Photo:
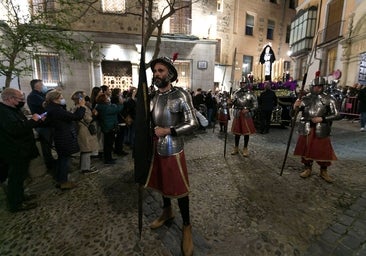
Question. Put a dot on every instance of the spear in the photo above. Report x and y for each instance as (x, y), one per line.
(293, 120)
(225, 127)
(143, 142)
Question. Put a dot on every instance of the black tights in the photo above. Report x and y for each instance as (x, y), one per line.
(183, 204)
(246, 140)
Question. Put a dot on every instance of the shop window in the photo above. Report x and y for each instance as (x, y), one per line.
(117, 74)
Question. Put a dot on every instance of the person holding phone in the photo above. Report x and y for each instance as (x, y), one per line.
(65, 134)
(88, 143)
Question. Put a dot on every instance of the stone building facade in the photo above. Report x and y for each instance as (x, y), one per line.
(338, 42)
(219, 43)
(244, 28)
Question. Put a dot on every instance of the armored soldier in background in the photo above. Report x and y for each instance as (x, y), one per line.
(318, 110)
(173, 115)
(223, 115)
(244, 104)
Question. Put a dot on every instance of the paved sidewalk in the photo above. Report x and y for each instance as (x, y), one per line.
(347, 236)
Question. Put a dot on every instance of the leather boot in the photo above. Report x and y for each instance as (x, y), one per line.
(235, 151)
(164, 217)
(187, 241)
(306, 173)
(325, 176)
(245, 152)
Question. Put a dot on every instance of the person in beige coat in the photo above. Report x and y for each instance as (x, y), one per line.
(88, 143)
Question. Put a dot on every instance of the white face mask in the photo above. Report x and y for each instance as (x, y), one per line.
(63, 102)
(44, 89)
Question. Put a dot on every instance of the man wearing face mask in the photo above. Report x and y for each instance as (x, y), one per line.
(35, 103)
(17, 146)
(173, 116)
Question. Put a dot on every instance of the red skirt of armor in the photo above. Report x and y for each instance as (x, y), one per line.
(243, 125)
(311, 147)
(169, 176)
(223, 118)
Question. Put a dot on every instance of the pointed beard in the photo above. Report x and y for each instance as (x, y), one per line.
(161, 83)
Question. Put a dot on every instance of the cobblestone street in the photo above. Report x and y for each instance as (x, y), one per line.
(239, 206)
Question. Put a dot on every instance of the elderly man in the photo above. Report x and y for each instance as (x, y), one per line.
(173, 115)
(17, 146)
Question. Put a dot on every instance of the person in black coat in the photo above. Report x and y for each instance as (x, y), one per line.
(35, 103)
(17, 147)
(266, 102)
(65, 133)
(362, 106)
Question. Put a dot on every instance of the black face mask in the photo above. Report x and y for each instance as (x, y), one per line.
(20, 104)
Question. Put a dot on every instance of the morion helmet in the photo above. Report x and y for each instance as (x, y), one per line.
(173, 74)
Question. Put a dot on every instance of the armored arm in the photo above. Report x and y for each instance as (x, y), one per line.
(332, 111)
(190, 121)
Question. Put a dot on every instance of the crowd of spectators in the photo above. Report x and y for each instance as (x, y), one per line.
(97, 125)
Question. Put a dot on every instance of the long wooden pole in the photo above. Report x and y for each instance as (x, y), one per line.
(293, 121)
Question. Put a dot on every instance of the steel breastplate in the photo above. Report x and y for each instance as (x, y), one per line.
(173, 109)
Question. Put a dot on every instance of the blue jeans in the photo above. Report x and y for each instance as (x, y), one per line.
(63, 166)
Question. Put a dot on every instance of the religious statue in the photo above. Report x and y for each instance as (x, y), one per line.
(267, 58)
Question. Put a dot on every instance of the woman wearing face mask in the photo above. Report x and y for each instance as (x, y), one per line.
(65, 134)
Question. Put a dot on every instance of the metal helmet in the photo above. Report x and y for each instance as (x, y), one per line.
(173, 74)
(318, 81)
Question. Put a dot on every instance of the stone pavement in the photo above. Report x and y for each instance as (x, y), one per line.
(239, 206)
(347, 236)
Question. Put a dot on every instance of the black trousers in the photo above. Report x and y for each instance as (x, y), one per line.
(17, 173)
(183, 204)
(265, 120)
(109, 138)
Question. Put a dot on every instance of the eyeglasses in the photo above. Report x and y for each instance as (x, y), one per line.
(19, 98)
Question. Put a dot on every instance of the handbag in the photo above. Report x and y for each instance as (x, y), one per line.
(91, 127)
(202, 119)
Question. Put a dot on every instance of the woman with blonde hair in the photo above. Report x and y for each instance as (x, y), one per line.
(65, 134)
(87, 142)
